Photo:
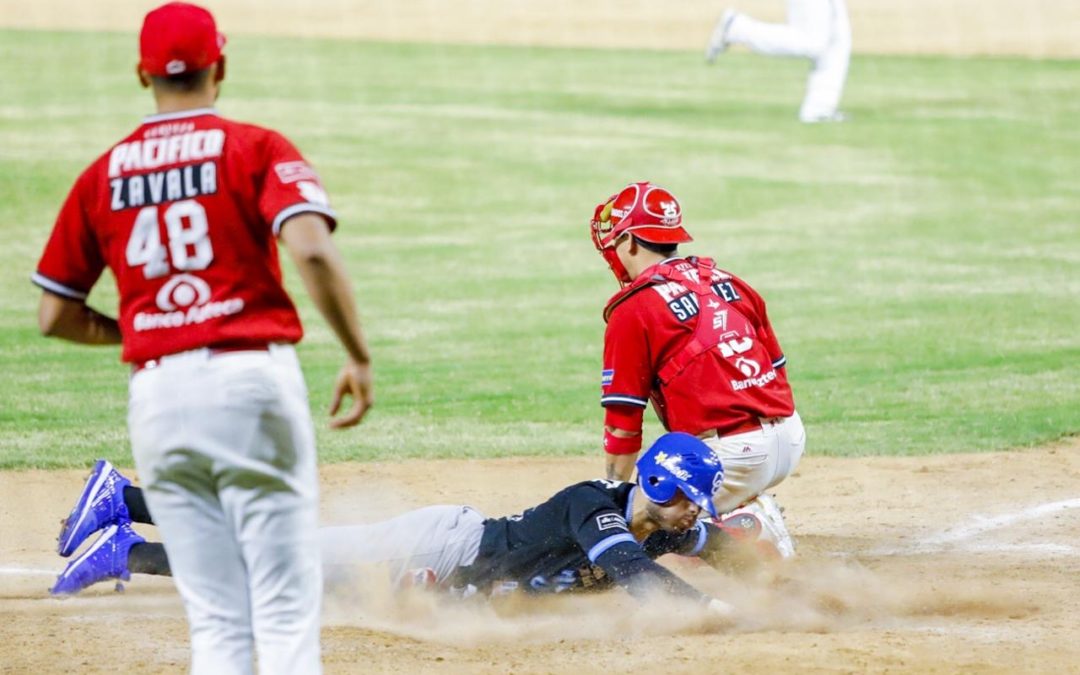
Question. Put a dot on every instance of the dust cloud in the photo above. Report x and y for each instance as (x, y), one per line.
(815, 596)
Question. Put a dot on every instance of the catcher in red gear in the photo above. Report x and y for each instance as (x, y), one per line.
(696, 341)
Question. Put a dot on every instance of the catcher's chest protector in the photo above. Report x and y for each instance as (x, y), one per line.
(696, 275)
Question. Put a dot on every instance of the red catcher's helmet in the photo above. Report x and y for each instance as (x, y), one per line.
(647, 211)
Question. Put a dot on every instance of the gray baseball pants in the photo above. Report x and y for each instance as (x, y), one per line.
(441, 538)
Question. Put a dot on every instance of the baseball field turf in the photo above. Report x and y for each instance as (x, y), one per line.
(922, 262)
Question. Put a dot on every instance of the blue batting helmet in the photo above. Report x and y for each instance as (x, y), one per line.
(678, 461)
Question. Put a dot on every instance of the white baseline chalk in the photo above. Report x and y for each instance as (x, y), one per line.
(983, 524)
(26, 571)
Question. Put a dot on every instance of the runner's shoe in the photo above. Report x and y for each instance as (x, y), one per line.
(101, 504)
(107, 558)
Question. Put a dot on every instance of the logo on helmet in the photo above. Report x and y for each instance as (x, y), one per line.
(662, 207)
(671, 216)
(673, 464)
(717, 482)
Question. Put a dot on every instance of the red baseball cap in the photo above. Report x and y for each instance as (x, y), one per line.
(179, 38)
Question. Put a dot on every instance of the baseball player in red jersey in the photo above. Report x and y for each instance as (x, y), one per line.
(184, 212)
(697, 342)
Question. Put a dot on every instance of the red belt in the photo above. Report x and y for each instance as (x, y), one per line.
(213, 351)
(741, 427)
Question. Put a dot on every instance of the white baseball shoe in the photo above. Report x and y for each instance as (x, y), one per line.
(827, 118)
(718, 41)
(423, 578)
(767, 528)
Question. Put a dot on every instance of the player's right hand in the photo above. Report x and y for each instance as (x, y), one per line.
(353, 380)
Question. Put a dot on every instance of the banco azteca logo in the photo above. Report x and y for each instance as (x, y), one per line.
(183, 290)
(748, 367)
(184, 300)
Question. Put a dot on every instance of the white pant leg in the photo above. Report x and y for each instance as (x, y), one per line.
(757, 460)
(825, 84)
(206, 564)
(231, 436)
(271, 493)
(805, 35)
(440, 537)
(278, 538)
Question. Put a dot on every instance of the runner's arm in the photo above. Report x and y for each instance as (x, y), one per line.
(628, 565)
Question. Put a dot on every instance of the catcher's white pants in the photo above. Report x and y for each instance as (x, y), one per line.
(818, 30)
(757, 460)
(225, 450)
(441, 538)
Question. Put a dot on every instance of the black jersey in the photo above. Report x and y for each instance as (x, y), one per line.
(578, 539)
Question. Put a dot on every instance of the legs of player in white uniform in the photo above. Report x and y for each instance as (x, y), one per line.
(825, 85)
(818, 30)
(225, 449)
(441, 538)
(757, 460)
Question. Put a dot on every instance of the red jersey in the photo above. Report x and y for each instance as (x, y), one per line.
(736, 377)
(184, 211)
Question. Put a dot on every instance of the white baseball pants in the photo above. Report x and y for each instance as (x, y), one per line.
(818, 30)
(757, 460)
(225, 450)
(441, 538)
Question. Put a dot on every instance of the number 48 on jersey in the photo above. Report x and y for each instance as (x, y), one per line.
(188, 233)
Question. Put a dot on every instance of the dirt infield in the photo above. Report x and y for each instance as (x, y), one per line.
(934, 564)
(959, 27)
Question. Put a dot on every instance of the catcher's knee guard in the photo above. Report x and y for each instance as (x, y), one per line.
(760, 523)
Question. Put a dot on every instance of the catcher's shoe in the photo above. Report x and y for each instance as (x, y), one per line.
(718, 41)
(107, 558)
(101, 504)
(761, 522)
(419, 577)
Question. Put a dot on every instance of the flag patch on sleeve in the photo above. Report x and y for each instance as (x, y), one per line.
(606, 376)
(290, 172)
(609, 521)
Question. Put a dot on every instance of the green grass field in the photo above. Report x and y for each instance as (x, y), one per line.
(922, 263)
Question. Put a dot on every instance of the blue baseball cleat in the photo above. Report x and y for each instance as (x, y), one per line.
(101, 504)
(105, 559)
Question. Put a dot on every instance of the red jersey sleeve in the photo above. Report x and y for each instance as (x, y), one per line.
(72, 260)
(290, 186)
(628, 374)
